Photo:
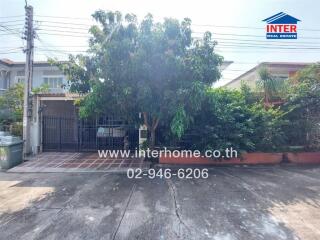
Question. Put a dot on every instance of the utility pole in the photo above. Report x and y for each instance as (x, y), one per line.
(27, 107)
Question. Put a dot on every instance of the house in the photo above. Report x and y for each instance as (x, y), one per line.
(279, 70)
(55, 125)
(57, 102)
(12, 73)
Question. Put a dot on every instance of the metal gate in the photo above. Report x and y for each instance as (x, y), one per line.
(104, 132)
(59, 134)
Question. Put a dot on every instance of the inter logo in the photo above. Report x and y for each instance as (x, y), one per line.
(281, 26)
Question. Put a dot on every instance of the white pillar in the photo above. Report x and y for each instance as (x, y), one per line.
(143, 135)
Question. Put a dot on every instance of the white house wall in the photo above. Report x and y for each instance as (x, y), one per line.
(38, 74)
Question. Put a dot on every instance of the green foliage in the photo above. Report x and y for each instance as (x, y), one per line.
(249, 95)
(11, 105)
(155, 68)
(179, 122)
(79, 71)
(303, 109)
(44, 88)
(269, 85)
(226, 120)
(16, 129)
(223, 122)
(268, 127)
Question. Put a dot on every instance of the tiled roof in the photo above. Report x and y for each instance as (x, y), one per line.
(65, 95)
(274, 64)
(11, 63)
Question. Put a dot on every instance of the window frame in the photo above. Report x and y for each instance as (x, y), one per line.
(53, 76)
(20, 77)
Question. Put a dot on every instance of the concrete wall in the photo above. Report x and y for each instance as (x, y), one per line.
(250, 79)
(58, 108)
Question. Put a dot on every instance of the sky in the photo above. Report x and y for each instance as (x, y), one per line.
(62, 27)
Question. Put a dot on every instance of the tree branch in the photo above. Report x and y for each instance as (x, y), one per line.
(155, 123)
(145, 119)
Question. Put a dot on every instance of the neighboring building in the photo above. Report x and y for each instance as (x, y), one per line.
(12, 73)
(225, 64)
(280, 70)
(57, 103)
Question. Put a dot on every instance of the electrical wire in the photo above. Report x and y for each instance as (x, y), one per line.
(247, 27)
(63, 27)
(63, 17)
(63, 31)
(12, 21)
(63, 23)
(17, 16)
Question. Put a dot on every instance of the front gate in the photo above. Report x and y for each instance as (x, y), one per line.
(70, 134)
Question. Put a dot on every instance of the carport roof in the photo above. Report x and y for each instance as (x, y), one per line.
(59, 96)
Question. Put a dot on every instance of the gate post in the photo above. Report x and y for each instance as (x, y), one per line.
(60, 134)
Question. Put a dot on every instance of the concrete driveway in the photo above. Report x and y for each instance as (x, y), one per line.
(280, 202)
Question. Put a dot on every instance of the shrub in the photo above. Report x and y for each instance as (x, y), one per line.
(268, 127)
(226, 120)
(302, 107)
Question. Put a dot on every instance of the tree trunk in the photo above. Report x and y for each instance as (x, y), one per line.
(152, 138)
(267, 103)
(152, 128)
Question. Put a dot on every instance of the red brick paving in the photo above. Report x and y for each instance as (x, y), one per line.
(77, 162)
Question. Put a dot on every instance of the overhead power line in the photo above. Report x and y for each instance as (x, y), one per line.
(199, 25)
(59, 17)
(10, 48)
(267, 46)
(13, 25)
(250, 35)
(64, 27)
(10, 31)
(66, 35)
(12, 21)
(17, 16)
(9, 52)
(57, 50)
(63, 31)
(247, 27)
(64, 23)
(55, 27)
(234, 46)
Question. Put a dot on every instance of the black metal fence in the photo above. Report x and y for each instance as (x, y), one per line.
(70, 134)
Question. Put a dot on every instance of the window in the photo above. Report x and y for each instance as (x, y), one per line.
(53, 82)
(20, 76)
(3, 83)
(281, 77)
(19, 79)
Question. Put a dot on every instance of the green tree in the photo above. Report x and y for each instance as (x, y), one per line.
(11, 103)
(303, 109)
(269, 85)
(154, 68)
